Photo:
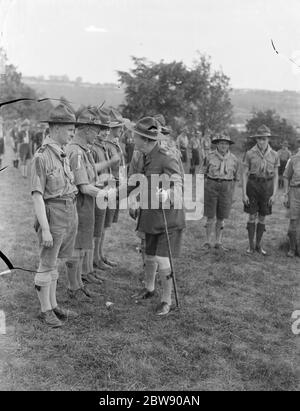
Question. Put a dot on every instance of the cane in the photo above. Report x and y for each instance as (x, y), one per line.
(172, 275)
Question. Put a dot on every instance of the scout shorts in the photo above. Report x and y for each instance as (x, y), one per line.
(103, 220)
(157, 244)
(294, 197)
(86, 222)
(259, 193)
(62, 219)
(218, 198)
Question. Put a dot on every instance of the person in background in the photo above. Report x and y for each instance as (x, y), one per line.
(284, 155)
(25, 146)
(182, 144)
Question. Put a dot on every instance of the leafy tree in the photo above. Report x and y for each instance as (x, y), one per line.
(12, 87)
(196, 97)
(281, 129)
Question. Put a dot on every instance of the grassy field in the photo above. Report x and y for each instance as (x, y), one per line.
(233, 331)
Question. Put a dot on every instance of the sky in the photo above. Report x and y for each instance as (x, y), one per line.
(95, 38)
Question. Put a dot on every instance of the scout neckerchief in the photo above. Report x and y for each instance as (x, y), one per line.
(263, 162)
(223, 170)
(61, 155)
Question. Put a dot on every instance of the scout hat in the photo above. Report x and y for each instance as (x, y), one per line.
(88, 116)
(147, 127)
(61, 114)
(165, 130)
(103, 118)
(262, 131)
(222, 137)
(116, 119)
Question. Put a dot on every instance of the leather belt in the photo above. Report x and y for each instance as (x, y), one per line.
(61, 200)
(218, 180)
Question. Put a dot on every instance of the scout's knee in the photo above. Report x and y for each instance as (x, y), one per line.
(209, 222)
(261, 219)
(252, 218)
(163, 264)
(44, 278)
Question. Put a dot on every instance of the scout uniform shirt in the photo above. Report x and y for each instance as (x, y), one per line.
(113, 148)
(50, 172)
(261, 165)
(99, 153)
(160, 161)
(292, 170)
(84, 169)
(220, 167)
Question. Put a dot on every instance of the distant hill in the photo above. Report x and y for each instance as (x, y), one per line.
(286, 103)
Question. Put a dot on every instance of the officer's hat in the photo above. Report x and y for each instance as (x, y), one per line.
(148, 127)
(88, 116)
(116, 119)
(104, 119)
(222, 137)
(263, 131)
(61, 114)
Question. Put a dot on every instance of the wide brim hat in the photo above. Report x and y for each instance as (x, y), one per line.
(148, 127)
(88, 116)
(116, 119)
(262, 131)
(61, 114)
(222, 137)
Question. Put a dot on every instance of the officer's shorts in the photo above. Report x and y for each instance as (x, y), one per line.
(157, 244)
(63, 222)
(294, 199)
(218, 198)
(259, 194)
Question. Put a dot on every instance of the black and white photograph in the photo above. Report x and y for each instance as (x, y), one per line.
(149, 198)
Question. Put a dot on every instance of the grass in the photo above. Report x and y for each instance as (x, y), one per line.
(233, 331)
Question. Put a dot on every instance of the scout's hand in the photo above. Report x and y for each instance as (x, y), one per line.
(286, 201)
(246, 200)
(272, 200)
(162, 195)
(47, 239)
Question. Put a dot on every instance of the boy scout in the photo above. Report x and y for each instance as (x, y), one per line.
(260, 183)
(85, 177)
(102, 217)
(158, 161)
(284, 155)
(291, 177)
(221, 171)
(53, 192)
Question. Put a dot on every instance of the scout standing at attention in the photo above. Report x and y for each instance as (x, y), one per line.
(158, 161)
(260, 183)
(221, 171)
(85, 175)
(53, 192)
(291, 177)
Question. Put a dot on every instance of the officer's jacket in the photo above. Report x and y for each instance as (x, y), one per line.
(82, 162)
(50, 172)
(292, 170)
(221, 167)
(160, 163)
(261, 165)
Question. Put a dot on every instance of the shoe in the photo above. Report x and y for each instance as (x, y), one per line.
(64, 314)
(101, 265)
(143, 294)
(206, 246)
(77, 295)
(163, 308)
(91, 278)
(86, 292)
(219, 246)
(261, 251)
(109, 262)
(49, 318)
(250, 251)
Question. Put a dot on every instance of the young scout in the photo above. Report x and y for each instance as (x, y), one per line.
(284, 155)
(221, 171)
(158, 161)
(260, 184)
(53, 192)
(291, 177)
(102, 217)
(85, 175)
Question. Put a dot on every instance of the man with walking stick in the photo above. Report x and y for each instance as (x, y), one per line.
(162, 220)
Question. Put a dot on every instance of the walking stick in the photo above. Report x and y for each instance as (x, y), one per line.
(172, 275)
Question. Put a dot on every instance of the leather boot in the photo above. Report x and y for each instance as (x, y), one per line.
(293, 243)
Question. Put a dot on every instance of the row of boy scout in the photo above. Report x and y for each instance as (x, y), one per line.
(64, 176)
(64, 185)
